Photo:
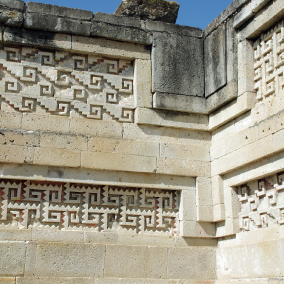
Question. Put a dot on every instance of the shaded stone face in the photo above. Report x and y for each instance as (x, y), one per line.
(155, 10)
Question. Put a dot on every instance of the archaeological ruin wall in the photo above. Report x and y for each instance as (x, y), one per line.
(138, 151)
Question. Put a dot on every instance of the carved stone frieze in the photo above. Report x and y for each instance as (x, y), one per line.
(262, 203)
(269, 63)
(62, 83)
(31, 204)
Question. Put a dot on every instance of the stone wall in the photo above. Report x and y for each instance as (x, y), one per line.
(127, 158)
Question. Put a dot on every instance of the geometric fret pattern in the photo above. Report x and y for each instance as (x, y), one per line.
(269, 63)
(261, 203)
(63, 83)
(37, 204)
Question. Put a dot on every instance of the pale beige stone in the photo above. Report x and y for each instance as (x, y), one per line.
(187, 210)
(183, 167)
(218, 212)
(143, 83)
(96, 127)
(54, 235)
(244, 103)
(136, 262)
(110, 48)
(124, 146)
(10, 120)
(171, 119)
(64, 260)
(151, 133)
(53, 280)
(182, 151)
(194, 229)
(12, 258)
(22, 138)
(195, 137)
(57, 157)
(185, 263)
(119, 162)
(13, 154)
(39, 122)
(63, 141)
(8, 280)
(15, 235)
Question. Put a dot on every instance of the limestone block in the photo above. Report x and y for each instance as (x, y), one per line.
(187, 210)
(117, 20)
(10, 120)
(56, 24)
(8, 280)
(53, 280)
(13, 154)
(123, 146)
(110, 48)
(215, 59)
(182, 151)
(219, 213)
(159, 26)
(12, 258)
(193, 229)
(171, 119)
(232, 204)
(121, 33)
(245, 70)
(177, 72)
(234, 142)
(53, 235)
(183, 167)
(185, 263)
(135, 262)
(120, 162)
(11, 17)
(38, 122)
(184, 103)
(143, 83)
(234, 109)
(204, 199)
(217, 190)
(57, 157)
(263, 20)
(36, 38)
(249, 153)
(231, 52)
(14, 4)
(278, 140)
(97, 128)
(151, 133)
(271, 125)
(22, 138)
(147, 281)
(64, 260)
(248, 12)
(227, 228)
(195, 137)
(82, 15)
(221, 97)
(63, 141)
(15, 235)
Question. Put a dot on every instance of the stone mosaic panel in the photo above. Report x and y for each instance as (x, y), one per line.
(269, 63)
(31, 204)
(262, 203)
(62, 82)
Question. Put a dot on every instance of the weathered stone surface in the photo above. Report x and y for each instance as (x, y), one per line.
(157, 10)
(56, 24)
(179, 72)
(215, 61)
(82, 15)
(11, 17)
(13, 4)
(120, 32)
(183, 103)
(39, 38)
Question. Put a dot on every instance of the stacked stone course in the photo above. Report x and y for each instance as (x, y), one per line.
(126, 158)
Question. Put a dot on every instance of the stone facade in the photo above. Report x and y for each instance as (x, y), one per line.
(126, 158)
